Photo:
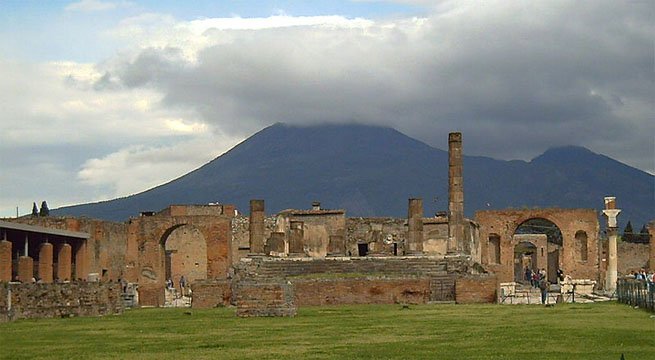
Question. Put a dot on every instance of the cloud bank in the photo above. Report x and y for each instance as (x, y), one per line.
(516, 78)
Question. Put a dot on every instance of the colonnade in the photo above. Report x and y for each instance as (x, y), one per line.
(60, 253)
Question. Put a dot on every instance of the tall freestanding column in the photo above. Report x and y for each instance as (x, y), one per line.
(257, 227)
(45, 263)
(455, 193)
(5, 261)
(611, 212)
(414, 227)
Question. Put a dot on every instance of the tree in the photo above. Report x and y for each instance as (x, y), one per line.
(644, 235)
(628, 233)
(35, 209)
(44, 209)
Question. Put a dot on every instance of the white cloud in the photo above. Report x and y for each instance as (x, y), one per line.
(533, 75)
(136, 168)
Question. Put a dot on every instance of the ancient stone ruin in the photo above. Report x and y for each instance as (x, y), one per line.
(269, 264)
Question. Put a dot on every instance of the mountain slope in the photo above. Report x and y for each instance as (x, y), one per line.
(372, 171)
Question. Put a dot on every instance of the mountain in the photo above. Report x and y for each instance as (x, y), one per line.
(372, 171)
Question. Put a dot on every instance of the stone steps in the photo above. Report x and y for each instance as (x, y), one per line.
(282, 268)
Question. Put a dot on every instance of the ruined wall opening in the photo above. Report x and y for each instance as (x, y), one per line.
(362, 249)
(581, 245)
(525, 257)
(554, 243)
(494, 249)
(185, 254)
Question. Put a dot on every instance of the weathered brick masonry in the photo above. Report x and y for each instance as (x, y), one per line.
(28, 301)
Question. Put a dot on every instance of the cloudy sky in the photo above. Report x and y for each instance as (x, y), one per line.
(100, 98)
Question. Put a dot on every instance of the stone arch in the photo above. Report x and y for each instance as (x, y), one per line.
(548, 253)
(494, 248)
(184, 250)
(568, 221)
(581, 245)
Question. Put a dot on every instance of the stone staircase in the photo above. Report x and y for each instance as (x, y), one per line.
(281, 268)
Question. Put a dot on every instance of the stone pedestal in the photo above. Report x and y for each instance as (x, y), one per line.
(414, 245)
(5, 261)
(256, 227)
(296, 238)
(25, 269)
(64, 263)
(45, 263)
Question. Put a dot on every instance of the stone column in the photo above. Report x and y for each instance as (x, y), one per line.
(45, 263)
(257, 227)
(81, 271)
(336, 246)
(5, 261)
(296, 236)
(25, 269)
(455, 194)
(64, 256)
(414, 227)
(611, 212)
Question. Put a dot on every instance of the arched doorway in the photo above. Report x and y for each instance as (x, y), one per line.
(552, 249)
(185, 251)
(525, 257)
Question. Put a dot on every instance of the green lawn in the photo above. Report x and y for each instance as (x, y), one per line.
(593, 331)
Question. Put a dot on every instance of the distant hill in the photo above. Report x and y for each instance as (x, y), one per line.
(372, 171)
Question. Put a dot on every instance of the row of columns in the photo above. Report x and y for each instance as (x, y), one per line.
(46, 272)
(276, 243)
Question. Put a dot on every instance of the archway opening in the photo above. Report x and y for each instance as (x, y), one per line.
(525, 258)
(548, 252)
(185, 255)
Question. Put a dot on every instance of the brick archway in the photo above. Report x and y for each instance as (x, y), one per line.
(147, 236)
(504, 224)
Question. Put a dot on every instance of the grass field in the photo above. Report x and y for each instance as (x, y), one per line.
(569, 331)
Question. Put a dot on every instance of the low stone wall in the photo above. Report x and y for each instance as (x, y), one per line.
(209, 294)
(29, 301)
(476, 289)
(361, 291)
(264, 299)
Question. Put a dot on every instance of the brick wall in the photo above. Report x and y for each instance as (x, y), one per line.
(264, 299)
(29, 301)
(361, 291)
(211, 293)
(631, 257)
(476, 289)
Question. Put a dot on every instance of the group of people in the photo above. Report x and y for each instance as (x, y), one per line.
(643, 275)
(535, 277)
(538, 280)
(183, 286)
